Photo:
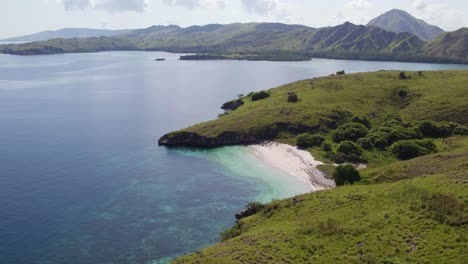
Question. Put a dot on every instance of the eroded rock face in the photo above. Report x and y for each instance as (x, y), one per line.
(188, 139)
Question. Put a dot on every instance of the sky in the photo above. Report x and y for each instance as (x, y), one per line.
(20, 17)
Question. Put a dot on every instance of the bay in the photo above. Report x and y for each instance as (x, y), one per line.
(82, 179)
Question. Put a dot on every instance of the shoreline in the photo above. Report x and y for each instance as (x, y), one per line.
(295, 162)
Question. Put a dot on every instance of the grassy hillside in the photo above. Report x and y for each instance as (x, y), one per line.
(450, 44)
(418, 220)
(438, 96)
(405, 209)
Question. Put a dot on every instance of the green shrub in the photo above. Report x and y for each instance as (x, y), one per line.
(260, 95)
(250, 209)
(435, 130)
(304, 141)
(461, 130)
(326, 146)
(349, 147)
(293, 98)
(351, 131)
(346, 174)
(362, 120)
(342, 72)
(403, 76)
(365, 143)
(402, 93)
(340, 158)
(408, 149)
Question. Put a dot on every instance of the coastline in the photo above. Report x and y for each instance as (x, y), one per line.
(295, 162)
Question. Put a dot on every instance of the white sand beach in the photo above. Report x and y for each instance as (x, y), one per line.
(298, 163)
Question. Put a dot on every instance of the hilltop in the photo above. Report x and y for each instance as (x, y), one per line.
(410, 204)
(400, 21)
(69, 33)
(328, 102)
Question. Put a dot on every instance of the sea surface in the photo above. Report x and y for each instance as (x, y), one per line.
(82, 179)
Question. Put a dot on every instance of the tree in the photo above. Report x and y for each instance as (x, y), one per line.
(349, 147)
(304, 141)
(352, 131)
(250, 209)
(346, 174)
(408, 149)
(402, 93)
(362, 120)
(293, 98)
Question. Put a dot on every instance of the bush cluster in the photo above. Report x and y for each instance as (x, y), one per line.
(304, 141)
(408, 149)
(250, 209)
(362, 120)
(437, 130)
(461, 130)
(346, 174)
(293, 98)
(260, 95)
(351, 131)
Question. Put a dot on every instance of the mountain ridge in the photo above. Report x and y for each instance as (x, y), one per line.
(264, 41)
(69, 33)
(399, 21)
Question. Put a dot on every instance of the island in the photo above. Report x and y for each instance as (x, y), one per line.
(395, 144)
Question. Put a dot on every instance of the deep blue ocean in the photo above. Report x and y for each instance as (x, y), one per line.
(82, 179)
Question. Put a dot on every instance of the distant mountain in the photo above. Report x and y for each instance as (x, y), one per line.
(69, 33)
(450, 45)
(400, 21)
(257, 41)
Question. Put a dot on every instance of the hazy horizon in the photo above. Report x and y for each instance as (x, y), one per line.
(27, 16)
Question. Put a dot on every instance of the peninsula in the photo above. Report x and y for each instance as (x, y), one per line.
(410, 128)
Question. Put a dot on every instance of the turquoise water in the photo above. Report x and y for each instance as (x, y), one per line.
(81, 177)
(270, 183)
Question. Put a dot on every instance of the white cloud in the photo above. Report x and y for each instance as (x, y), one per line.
(76, 4)
(196, 3)
(106, 5)
(261, 6)
(358, 4)
(420, 4)
(439, 14)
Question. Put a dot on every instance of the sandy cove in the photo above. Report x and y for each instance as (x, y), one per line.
(296, 162)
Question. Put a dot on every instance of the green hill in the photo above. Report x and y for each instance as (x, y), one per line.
(405, 209)
(70, 33)
(327, 102)
(399, 21)
(450, 45)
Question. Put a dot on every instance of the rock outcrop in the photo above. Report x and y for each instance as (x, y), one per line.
(188, 139)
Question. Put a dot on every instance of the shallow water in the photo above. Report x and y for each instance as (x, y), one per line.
(81, 177)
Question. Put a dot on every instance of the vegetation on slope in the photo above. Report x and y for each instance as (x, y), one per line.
(408, 211)
(328, 102)
(421, 219)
